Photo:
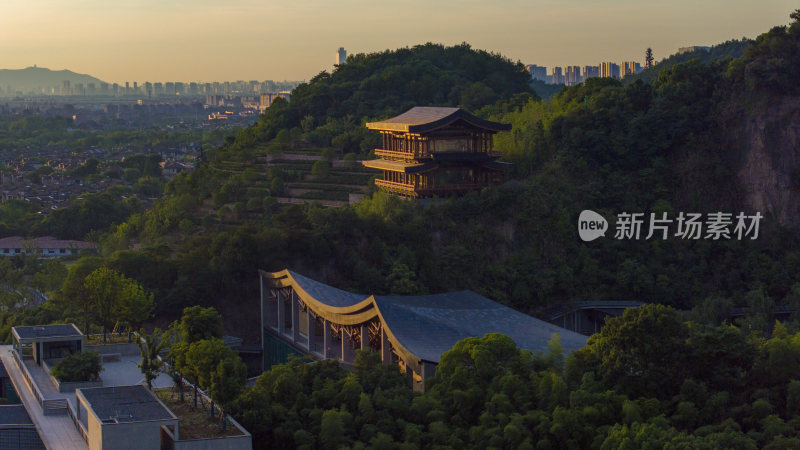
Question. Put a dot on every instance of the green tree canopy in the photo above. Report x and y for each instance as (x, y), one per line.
(117, 299)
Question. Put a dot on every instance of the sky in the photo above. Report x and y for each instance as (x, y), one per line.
(227, 40)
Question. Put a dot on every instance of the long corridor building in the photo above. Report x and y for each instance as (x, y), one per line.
(412, 331)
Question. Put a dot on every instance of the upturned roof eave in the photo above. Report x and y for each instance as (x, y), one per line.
(420, 126)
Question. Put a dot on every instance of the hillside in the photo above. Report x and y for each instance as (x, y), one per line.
(329, 110)
(660, 147)
(37, 78)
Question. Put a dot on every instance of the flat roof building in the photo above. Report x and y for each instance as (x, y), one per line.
(17, 430)
(43, 342)
(123, 417)
(46, 246)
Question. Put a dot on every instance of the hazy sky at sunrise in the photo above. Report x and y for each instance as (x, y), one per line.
(208, 40)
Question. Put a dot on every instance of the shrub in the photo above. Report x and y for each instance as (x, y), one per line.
(84, 366)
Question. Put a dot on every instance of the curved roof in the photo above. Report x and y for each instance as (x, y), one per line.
(422, 327)
(430, 325)
(328, 295)
(420, 119)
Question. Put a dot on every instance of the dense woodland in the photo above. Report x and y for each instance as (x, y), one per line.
(647, 380)
(687, 377)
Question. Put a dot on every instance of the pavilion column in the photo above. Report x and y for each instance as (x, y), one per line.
(261, 304)
(427, 370)
(326, 339)
(295, 319)
(386, 352)
(409, 375)
(281, 310)
(364, 336)
(311, 330)
(348, 354)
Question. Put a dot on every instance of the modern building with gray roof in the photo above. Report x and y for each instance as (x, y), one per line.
(412, 331)
(39, 332)
(43, 342)
(123, 417)
(17, 430)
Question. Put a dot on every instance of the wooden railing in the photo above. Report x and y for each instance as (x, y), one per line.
(400, 188)
(400, 154)
(452, 187)
(411, 190)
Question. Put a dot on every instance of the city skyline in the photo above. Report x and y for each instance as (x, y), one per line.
(212, 40)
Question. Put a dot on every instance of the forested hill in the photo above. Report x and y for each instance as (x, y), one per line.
(734, 48)
(34, 78)
(331, 107)
(678, 144)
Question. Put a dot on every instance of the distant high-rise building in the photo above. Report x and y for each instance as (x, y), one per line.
(135, 88)
(558, 76)
(148, 88)
(65, 88)
(538, 72)
(179, 88)
(609, 70)
(630, 68)
(341, 56)
(590, 72)
(115, 89)
(90, 89)
(212, 100)
(103, 88)
(572, 76)
(158, 89)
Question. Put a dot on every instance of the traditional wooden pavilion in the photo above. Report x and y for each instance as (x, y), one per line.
(324, 322)
(436, 151)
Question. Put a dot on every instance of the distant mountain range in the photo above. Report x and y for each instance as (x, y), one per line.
(41, 80)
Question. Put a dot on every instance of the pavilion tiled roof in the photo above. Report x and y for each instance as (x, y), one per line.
(420, 119)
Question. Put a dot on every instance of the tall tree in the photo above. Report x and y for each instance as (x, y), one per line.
(116, 298)
(648, 58)
(198, 323)
(150, 345)
(73, 292)
(199, 361)
(227, 382)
